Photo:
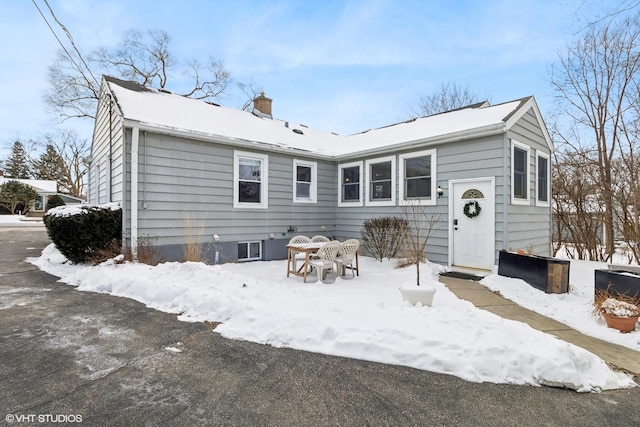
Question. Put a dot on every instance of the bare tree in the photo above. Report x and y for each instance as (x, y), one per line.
(577, 209)
(596, 81)
(251, 92)
(64, 158)
(142, 57)
(422, 224)
(448, 97)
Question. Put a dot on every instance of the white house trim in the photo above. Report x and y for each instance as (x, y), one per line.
(368, 201)
(548, 158)
(264, 180)
(517, 200)
(135, 141)
(432, 200)
(313, 190)
(359, 202)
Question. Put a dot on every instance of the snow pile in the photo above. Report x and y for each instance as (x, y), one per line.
(64, 210)
(362, 318)
(574, 309)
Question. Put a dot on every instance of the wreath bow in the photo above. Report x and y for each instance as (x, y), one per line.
(476, 209)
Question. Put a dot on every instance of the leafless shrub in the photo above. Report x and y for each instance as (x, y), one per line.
(194, 228)
(383, 236)
(422, 225)
(147, 253)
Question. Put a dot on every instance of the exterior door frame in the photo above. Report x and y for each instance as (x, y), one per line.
(492, 227)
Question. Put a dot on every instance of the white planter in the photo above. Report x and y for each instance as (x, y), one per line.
(418, 294)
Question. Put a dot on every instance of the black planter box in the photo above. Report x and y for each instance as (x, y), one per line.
(547, 274)
(618, 282)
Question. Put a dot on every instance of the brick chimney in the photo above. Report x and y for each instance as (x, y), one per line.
(263, 105)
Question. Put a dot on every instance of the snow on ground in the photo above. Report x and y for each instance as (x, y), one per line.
(18, 220)
(362, 318)
(573, 309)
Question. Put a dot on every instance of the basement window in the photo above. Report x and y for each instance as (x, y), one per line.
(249, 251)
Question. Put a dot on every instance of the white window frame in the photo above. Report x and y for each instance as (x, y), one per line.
(248, 243)
(368, 201)
(313, 190)
(547, 157)
(354, 203)
(434, 177)
(264, 180)
(517, 200)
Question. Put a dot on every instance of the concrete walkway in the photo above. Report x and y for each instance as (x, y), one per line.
(616, 355)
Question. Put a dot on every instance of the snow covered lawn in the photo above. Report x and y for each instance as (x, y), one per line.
(364, 318)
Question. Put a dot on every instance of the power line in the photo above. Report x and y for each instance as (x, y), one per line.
(71, 58)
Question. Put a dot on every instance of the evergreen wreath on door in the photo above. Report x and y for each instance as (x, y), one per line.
(472, 213)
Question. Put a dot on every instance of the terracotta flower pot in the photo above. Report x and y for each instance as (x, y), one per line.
(623, 324)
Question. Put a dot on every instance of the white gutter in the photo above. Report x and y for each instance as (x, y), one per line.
(492, 129)
(135, 138)
(220, 139)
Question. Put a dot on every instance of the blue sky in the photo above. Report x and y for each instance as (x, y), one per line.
(336, 65)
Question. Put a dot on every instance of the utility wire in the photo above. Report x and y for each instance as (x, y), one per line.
(70, 40)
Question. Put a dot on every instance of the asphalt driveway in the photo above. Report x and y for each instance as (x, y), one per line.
(102, 360)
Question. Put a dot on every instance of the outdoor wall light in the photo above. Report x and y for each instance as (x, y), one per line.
(440, 191)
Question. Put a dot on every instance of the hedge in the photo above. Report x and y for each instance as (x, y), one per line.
(81, 233)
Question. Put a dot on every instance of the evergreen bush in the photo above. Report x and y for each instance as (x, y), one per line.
(54, 202)
(82, 233)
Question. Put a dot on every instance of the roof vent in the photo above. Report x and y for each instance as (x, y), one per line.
(298, 131)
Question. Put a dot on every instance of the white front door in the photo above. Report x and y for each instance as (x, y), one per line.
(472, 236)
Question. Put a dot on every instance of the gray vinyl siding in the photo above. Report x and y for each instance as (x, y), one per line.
(107, 156)
(182, 179)
(528, 226)
(475, 158)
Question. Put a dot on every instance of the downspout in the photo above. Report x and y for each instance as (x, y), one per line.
(506, 190)
(135, 140)
(110, 173)
(144, 174)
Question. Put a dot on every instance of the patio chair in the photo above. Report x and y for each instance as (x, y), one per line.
(298, 256)
(320, 238)
(345, 257)
(326, 258)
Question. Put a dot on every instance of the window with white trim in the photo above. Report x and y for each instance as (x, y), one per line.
(519, 173)
(418, 177)
(542, 179)
(349, 184)
(381, 181)
(249, 251)
(304, 181)
(250, 180)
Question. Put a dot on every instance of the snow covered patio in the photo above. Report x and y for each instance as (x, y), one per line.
(366, 318)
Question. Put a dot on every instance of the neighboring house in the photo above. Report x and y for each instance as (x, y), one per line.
(256, 181)
(44, 188)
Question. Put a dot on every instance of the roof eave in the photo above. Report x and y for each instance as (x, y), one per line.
(493, 129)
(235, 142)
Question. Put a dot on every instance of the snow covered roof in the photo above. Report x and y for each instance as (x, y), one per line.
(162, 110)
(40, 185)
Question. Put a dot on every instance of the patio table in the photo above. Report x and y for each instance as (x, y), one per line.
(307, 249)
